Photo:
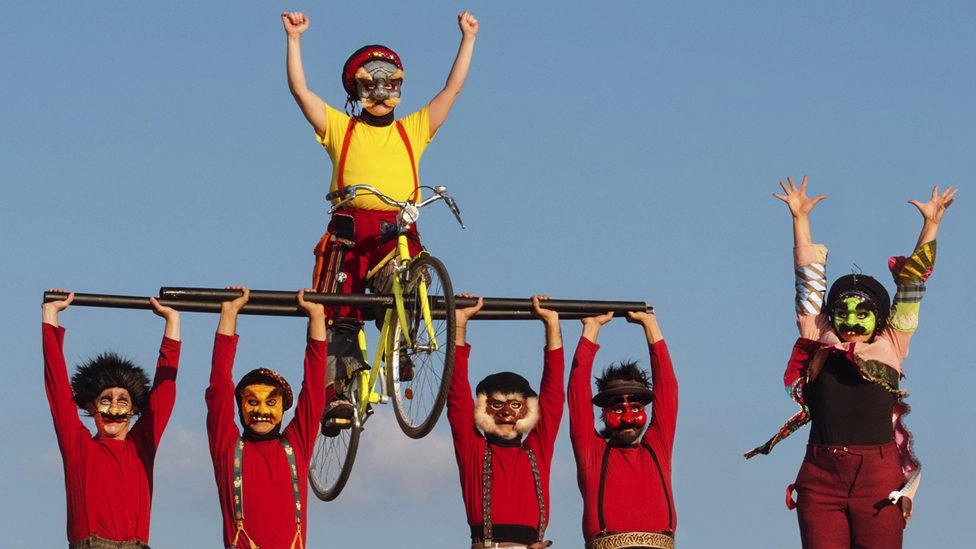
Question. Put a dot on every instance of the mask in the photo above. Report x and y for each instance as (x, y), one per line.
(506, 416)
(625, 420)
(378, 82)
(113, 411)
(261, 407)
(854, 318)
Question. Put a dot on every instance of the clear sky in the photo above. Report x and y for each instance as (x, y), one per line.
(599, 150)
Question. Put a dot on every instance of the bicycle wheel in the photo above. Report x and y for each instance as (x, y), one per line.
(419, 370)
(332, 457)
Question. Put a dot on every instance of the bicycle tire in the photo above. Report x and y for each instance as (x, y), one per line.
(333, 457)
(417, 403)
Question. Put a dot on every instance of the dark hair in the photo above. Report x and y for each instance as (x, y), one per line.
(622, 371)
(623, 378)
(867, 286)
(108, 370)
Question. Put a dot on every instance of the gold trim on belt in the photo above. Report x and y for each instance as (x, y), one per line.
(653, 540)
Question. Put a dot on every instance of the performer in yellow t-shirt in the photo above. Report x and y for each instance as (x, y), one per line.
(369, 146)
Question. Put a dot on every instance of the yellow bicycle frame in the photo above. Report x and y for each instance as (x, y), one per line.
(367, 393)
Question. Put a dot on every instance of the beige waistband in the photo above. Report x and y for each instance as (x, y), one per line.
(654, 540)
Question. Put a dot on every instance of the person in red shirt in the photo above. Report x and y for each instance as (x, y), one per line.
(624, 477)
(109, 477)
(262, 474)
(504, 441)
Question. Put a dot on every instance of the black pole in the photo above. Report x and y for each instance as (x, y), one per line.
(194, 306)
(385, 300)
(277, 303)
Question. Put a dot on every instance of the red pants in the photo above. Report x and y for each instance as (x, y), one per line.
(842, 497)
(355, 241)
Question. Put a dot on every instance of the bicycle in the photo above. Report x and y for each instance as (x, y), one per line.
(416, 336)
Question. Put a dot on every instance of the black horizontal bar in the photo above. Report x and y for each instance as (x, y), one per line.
(139, 302)
(274, 303)
(386, 300)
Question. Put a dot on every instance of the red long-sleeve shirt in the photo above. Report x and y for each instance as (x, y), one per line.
(514, 500)
(637, 496)
(269, 501)
(108, 483)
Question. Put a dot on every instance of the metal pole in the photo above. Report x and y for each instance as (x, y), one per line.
(277, 303)
(513, 305)
(194, 306)
(270, 296)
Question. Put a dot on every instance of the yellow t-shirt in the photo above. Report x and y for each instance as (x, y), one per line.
(376, 156)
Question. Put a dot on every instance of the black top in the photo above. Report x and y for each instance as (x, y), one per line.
(846, 408)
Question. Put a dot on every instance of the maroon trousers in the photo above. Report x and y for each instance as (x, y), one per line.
(355, 241)
(842, 497)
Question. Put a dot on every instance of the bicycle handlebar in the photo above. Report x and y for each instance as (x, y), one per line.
(349, 192)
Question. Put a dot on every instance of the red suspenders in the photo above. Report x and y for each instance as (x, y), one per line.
(406, 143)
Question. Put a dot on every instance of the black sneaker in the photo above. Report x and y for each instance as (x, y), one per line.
(337, 416)
(344, 348)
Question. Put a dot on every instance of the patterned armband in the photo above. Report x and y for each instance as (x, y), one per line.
(915, 269)
(904, 312)
(811, 285)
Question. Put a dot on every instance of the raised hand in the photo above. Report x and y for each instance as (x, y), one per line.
(163, 311)
(50, 309)
(933, 210)
(295, 23)
(546, 315)
(648, 321)
(314, 310)
(796, 197)
(227, 324)
(172, 316)
(462, 316)
(235, 305)
(468, 24)
(550, 318)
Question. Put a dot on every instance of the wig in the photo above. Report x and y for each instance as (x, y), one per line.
(109, 370)
(624, 378)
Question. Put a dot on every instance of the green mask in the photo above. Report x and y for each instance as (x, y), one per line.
(854, 315)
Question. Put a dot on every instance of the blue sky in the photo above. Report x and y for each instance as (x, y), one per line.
(620, 151)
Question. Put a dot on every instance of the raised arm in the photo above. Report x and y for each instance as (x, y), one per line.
(172, 317)
(64, 412)
(592, 325)
(316, 316)
(462, 316)
(648, 321)
(227, 325)
(910, 273)
(550, 318)
(460, 407)
(932, 212)
(153, 420)
(222, 430)
(51, 309)
(312, 106)
(579, 392)
(440, 106)
(809, 260)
